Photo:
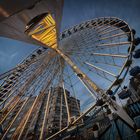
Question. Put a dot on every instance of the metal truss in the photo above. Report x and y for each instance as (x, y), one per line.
(94, 51)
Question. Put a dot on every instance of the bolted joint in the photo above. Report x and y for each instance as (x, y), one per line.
(133, 34)
(109, 92)
(113, 98)
(100, 102)
(80, 75)
(108, 110)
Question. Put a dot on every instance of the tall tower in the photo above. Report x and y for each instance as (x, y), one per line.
(58, 117)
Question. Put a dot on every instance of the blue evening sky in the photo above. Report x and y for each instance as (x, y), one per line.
(75, 11)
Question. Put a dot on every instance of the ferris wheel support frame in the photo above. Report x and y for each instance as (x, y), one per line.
(96, 92)
(45, 116)
(49, 39)
(91, 85)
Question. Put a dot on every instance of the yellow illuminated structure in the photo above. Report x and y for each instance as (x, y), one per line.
(44, 31)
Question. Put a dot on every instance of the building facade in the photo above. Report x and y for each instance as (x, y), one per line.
(32, 119)
(58, 117)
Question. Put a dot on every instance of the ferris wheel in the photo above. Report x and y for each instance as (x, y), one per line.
(90, 60)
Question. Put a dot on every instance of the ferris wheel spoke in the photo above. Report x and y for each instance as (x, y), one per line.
(103, 76)
(83, 56)
(117, 25)
(12, 107)
(7, 130)
(18, 75)
(106, 23)
(66, 102)
(73, 90)
(107, 64)
(28, 116)
(92, 59)
(114, 44)
(87, 52)
(11, 99)
(45, 116)
(25, 85)
(113, 55)
(115, 35)
(98, 47)
(101, 69)
(107, 27)
(113, 30)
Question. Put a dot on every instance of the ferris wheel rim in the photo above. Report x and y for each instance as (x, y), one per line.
(79, 27)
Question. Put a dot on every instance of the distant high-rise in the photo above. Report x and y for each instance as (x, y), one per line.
(57, 117)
